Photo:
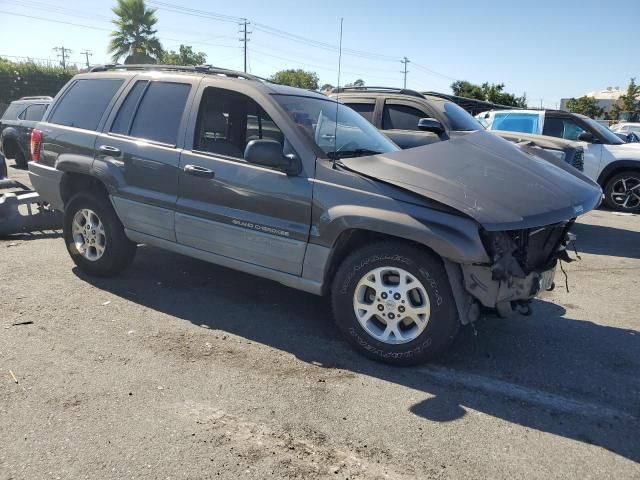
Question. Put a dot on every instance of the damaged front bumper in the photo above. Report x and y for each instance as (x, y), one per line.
(523, 264)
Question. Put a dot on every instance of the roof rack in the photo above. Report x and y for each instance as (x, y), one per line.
(37, 97)
(400, 91)
(208, 69)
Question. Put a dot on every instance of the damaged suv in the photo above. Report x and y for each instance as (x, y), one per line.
(229, 168)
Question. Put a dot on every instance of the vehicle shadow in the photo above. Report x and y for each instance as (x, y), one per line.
(548, 352)
(598, 239)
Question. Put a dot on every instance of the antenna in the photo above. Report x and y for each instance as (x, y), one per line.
(335, 131)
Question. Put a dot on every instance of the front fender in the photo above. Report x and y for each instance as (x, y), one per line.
(450, 236)
(616, 166)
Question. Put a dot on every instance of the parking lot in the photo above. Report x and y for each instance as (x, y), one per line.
(182, 369)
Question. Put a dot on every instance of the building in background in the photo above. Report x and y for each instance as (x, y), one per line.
(606, 98)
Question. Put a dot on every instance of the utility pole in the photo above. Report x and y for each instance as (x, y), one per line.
(244, 39)
(87, 54)
(64, 54)
(406, 61)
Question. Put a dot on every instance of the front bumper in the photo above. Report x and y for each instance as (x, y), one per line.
(479, 283)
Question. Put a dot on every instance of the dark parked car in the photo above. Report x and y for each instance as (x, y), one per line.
(226, 167)
(412, 119)
(16, 124)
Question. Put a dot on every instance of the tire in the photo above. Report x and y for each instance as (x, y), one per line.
(111, 252)
(20, 159)
(623, 187)
(382, 264)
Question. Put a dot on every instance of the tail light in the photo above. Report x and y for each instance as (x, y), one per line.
(36, 144)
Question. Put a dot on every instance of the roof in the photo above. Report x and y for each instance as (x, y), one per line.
(208, 70)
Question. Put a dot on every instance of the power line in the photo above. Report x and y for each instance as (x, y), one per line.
(244, 40)
(406, 61)
(87, 54)
(64, 52)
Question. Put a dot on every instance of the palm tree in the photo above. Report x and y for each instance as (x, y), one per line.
(135, 37)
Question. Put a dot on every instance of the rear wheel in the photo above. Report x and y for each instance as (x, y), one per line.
(95, 236)
(394, 303)
(622, 192)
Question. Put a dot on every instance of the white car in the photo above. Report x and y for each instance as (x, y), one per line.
(614, 164)
(626, 127)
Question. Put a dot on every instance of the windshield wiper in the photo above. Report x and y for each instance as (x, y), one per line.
(358, 152)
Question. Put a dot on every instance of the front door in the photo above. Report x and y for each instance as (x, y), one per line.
(231, 208)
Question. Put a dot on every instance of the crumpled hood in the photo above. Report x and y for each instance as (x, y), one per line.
(486, 178)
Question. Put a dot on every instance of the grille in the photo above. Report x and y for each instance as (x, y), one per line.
(536, 247)
(578, 160)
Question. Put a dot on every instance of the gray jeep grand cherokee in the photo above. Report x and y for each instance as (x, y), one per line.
(234, 170)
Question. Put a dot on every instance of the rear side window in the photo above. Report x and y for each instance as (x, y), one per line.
(83, 105)
(124, 119)
(34, 113)
(364, 109)
(401, 117)
(160, 112)
(12, 112)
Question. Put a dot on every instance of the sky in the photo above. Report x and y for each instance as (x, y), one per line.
(546, 49)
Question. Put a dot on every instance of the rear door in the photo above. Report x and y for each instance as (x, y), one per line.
(141, 146)
(400, 123)
(232, 208)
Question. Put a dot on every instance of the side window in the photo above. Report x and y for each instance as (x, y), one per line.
(34, 113)
(228, 120)
(516, 122)
(124, 118)
(401, 117)
(562, 127)
(364, 109)
(12, 112)
(160, 112)
(83, 105)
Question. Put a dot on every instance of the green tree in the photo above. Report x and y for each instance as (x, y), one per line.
(296, 78)
(586, 106)
(184, 56)
(20, 79)
(462, 88)
(629, 103)
(489, 92)
(135, 37)
(359, 83)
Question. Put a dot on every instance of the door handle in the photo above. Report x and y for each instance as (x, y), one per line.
(109, 150)
(198, 171)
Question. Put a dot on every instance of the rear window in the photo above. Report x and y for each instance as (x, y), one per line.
(160, 112)
(516, 122)
(83, 105)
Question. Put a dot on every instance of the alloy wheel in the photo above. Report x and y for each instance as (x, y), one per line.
(88, 234)
(626, 192)
(392, 305)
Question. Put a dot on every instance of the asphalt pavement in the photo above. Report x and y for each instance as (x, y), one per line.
(182, 369)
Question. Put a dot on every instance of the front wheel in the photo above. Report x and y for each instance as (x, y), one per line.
(95, 236)
(394, 303)
(622, 192)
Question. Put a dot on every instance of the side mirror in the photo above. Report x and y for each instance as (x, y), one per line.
(268, 153)
(586, 137)
(430, 125)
